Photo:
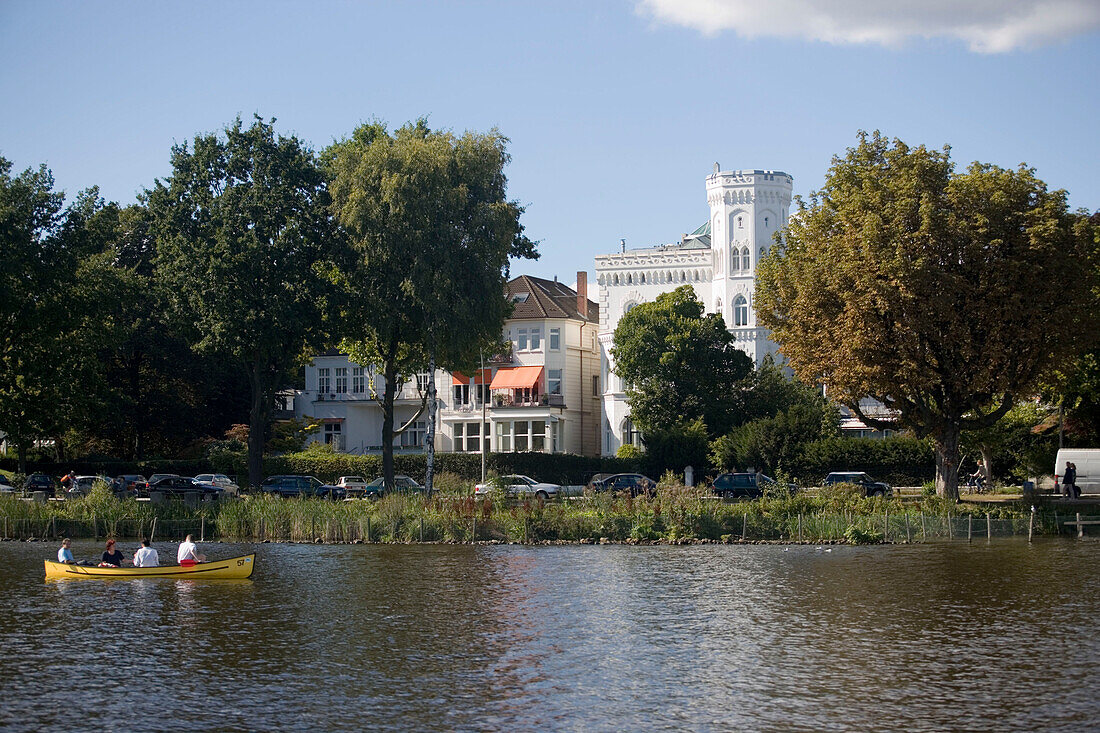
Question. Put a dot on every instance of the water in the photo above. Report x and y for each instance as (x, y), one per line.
(586, 638)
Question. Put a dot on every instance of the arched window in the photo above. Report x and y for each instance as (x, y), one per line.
(740, 311)
(735, 260)
(630, 435)
(718, 306)
(746, 261)
(642, 279)
(629, 306)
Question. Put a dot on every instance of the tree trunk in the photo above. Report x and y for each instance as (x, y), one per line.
(947, 461)
(257, 425)
(429, 470)
(389, 393)
(987, 466)
(22, 448)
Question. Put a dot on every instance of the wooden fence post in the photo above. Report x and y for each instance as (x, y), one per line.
(1080, 527)
(744, 525)
(886, 527)
(908, 538)
(988, 527)
(969, 527)
(1030, 524)
(923, 529)
(800, 526)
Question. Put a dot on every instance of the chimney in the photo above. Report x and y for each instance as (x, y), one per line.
(582, 294)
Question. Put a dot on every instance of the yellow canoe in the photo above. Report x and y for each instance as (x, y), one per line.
(234, 567)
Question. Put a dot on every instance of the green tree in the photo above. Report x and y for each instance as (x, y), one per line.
(678, 364)
(244, 243)
(430, 232)
(35, 272)
(944, 295)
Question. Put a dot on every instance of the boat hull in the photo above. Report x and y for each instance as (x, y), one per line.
(234, 567)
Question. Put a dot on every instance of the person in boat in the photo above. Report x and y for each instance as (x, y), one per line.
(188, 552)
(146, 557)
(65, 553)
(112, 556)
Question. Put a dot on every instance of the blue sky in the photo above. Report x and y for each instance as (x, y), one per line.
(616, 109)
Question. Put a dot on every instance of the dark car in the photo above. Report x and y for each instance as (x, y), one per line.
(402, 484)
(183, 485)
(635, 483)
(304, 486)
(129, 485)
(858, 478)
(39, 482)
(747, 485)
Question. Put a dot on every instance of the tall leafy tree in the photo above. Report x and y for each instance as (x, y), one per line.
(244, 238)
(430, 231)
(942, 294)
(679, 364)
(34, 274)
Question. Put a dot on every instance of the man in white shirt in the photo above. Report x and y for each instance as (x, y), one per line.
(188, 550)
(146, 557)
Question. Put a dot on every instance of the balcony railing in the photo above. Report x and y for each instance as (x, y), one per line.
(510, 400)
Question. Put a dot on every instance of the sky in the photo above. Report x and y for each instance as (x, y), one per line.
(616, 110)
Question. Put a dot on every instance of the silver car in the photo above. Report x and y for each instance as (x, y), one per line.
(519, 485)
(220, 480)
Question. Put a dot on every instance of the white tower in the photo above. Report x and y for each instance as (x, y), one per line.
(747, 208)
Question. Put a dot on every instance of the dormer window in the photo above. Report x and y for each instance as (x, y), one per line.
(520, 297)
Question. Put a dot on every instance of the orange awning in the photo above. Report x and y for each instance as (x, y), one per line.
(523, 377)
(481, 377)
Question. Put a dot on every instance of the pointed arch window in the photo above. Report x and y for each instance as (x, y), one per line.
(740, 311)
(746, 259)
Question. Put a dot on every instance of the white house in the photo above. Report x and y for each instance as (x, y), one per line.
(718, 260)
(543, 394)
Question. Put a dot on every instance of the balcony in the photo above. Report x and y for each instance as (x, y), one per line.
(508, 399)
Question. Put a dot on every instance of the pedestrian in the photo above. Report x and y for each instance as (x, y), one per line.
(146, 557)
(1069, 481)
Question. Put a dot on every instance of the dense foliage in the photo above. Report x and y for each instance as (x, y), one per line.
(944, 295)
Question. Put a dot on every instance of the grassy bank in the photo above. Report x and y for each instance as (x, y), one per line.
(676, 514)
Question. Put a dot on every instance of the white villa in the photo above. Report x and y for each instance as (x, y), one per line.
(747, 208)
(542, 395)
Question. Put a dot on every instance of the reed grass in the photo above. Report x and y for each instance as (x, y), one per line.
(676, 514)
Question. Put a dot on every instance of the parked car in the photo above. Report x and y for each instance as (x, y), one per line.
(129, 484)
(303, 486)
(181, 485)
(869, 485)
(219, 479)
(353, 486)
(402, 484)
(82, 485)
(39, 482)
(747, 485)
(159, 476)
(635, 483)
(517, 485)
(5, 485)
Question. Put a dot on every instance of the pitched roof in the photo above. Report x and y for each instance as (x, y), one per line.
(533, 297)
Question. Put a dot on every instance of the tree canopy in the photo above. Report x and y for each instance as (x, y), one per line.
(679, 364)
(942, 294)
(430, 231)
(244, 244)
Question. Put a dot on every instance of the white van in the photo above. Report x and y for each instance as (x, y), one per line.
(1087, 461)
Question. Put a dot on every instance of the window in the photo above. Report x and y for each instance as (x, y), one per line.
(553, 381)
(504, 437)
(740, 311)
(323, 384)
(630, 435)
(536, 339)
(538, 435)
(555, 339)
(358, 383)
(746, 263)
(555, 436)
(521, 339)
(462, 394)
(739, 224)
(422, 380)
(414, 436)
(735, 259)
(334, 435)
(341, 379)
(595, 385)
(765, 222)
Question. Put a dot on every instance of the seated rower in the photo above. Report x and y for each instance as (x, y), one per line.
(188, 553)
(65, 553)
(146, 557)
(111, 556)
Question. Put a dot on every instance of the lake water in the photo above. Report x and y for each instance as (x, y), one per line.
(587, 638)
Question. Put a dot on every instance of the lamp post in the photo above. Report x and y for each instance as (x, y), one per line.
(484, 438)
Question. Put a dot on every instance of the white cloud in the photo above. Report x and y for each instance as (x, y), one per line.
(986, 26)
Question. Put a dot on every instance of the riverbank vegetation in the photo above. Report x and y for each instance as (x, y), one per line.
(676, 514)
